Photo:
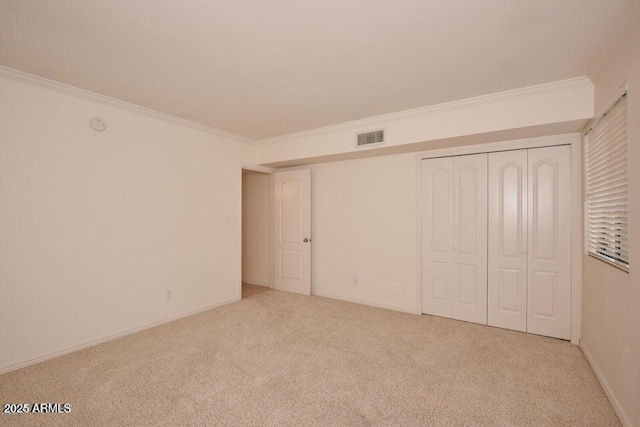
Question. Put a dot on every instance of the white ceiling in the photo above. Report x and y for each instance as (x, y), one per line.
(272, 67)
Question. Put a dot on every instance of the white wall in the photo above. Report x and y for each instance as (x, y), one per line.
(256, 228)
(611, 297)
(363, 223)
(96, 226)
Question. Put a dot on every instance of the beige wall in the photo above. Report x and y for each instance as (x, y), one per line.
(256, 228)
(96, 226)
(611, 297)
(363, 224)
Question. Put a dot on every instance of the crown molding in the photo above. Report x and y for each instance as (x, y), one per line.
(557, 86)
(562, 85)
(63, 88)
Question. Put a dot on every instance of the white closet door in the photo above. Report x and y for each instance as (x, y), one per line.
(507, 299)
(549, 287)
(469, 238)
(437, 179)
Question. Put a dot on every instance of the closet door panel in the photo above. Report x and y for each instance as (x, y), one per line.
(507, 242)
(437, 181)
(549, 290)
(469, 237)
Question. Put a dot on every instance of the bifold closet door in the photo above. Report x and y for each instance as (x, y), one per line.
(454, 237)
(529, 241)
(469, 238)
(549, 278)
(437, 181)
(508, 247)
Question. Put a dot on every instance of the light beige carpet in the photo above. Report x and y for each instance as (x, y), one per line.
(251, 290)
(280, 359)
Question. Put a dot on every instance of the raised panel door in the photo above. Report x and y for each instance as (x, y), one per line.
(292, 230)
(549, 274)
(437, 179)
(507, 241)
(469, 238)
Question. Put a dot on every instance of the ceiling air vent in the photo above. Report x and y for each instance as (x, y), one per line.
(369, 138)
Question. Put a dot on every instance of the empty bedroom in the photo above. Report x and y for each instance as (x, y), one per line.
(320, 213)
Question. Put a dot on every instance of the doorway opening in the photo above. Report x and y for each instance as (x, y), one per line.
(257, 247)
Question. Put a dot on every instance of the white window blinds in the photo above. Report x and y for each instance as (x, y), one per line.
(606, 187)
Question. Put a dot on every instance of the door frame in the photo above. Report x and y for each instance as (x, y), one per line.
(269, 171)
(571, 139)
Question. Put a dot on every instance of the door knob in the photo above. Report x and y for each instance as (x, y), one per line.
(305, 240)
(455, 248)
(524, 252)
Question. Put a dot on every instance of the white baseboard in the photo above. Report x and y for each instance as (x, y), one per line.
(92, 343)
(357, 301)
(624, 419)
(254, 282)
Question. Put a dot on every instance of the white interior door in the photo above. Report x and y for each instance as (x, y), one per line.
(507, 290)
(437, 178)
(549, 281)
(292, 231)
(469, 238)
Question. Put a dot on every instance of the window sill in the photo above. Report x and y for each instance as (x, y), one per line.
(616, 264)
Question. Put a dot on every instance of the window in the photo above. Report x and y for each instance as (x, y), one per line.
(606, 186)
